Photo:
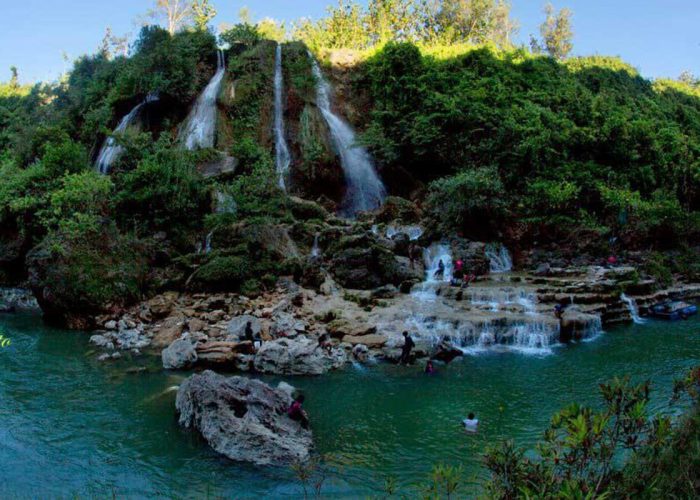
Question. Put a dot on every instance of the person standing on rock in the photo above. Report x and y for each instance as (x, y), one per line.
(459, 268)
(250, 337)
(440, 273)
(408, 346)
(413, 254)
(296, 412)
(324, 342)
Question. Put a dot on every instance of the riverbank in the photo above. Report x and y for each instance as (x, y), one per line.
(502, 311)
(381, 421)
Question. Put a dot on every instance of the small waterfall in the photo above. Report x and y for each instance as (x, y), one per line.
(315, 250)
(437, 252)
(496, 299)
(200, 126)
(633, 309)
(365, 190)
(500, 258)
(282, 157)
(207, 243)
(111, 151)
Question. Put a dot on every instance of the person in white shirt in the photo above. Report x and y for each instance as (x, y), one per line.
(471, 423)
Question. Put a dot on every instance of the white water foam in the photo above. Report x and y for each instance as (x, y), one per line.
(499, 257)
(111, 151)
(633, 309)
(200, 126)
(283, 158)
(364, 189)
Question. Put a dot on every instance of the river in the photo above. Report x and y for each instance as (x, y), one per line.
(71, 426)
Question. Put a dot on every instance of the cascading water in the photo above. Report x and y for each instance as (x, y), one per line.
(365, 190)
(433, 255)
(111, 151)
(200, 126)
(282, 157)
(500, 261)
(315, 250)
(633, 309)
(207, 243)
(498, 298)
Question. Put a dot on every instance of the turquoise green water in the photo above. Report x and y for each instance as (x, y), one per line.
(72, 426)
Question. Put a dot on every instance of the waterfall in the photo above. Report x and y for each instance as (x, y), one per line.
(315, 250)
(200, 125)
(365, 190)
(633, 309)
(111, 151)
(496, 298)
(499, 258)
(207, 243)
(282, 157)
(427, 291)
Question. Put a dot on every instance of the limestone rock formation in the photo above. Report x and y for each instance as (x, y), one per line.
(179, 355)
(243, 419)
(298, 356)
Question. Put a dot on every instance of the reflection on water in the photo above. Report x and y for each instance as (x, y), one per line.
(92, 429)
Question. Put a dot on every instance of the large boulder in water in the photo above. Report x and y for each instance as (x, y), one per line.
(179, 355)
(298, 356)
(243, 419)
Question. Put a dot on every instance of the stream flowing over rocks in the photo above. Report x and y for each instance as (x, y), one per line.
(243, 419)
(363, 283)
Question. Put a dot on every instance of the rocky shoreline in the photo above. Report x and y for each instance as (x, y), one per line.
(207, 331)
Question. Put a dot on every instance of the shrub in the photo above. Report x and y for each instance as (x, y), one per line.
(222, 273)
(164, 192)
(66, 157)
(79, 205)
(471, 201)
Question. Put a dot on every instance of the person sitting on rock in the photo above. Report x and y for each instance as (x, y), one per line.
(471, 423)
(408, 345)
(254, 339)
(324, 342)
(440, 273)
(296, 412)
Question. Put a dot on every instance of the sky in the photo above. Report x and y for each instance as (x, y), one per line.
(659, 37)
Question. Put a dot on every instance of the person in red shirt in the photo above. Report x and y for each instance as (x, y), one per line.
(296, 412)
(459, 265)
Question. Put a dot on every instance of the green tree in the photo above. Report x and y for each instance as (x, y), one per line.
(202, 13)
(241, 33)
(475, 21)
(79, 205)
(270, 29)
(556, 32)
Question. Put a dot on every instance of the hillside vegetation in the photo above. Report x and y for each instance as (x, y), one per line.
(575, 157)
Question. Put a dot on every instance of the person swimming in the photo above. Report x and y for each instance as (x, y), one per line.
(471, 423)
(429, 368)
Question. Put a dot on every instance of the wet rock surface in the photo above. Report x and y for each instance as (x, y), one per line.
(244, 419)
(298, 356)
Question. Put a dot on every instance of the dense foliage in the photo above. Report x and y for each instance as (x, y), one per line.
(587, 143)
(580, 454)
